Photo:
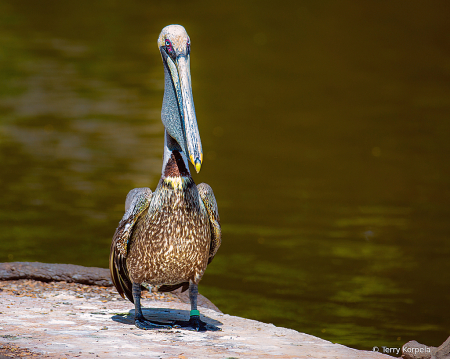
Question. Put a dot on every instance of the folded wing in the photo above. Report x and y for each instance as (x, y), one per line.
(137, 202)
(207, 196)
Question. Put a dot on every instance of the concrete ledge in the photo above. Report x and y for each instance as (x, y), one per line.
(70, 320)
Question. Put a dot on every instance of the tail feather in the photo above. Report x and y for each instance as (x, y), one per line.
(172, 287)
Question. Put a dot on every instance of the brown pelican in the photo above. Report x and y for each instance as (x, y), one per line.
(168, 237)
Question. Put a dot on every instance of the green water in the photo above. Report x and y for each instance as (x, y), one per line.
(325, 131)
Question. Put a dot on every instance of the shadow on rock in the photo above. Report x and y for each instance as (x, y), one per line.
(162, 316)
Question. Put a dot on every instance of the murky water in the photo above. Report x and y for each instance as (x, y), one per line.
(325, 131)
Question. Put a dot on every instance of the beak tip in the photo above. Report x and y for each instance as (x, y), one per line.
(197, 165)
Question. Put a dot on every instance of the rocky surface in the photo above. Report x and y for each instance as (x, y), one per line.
(70, 311)
(47, 272)
(70, 320)
(415, 350)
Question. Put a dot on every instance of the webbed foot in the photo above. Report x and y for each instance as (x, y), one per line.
(146, 324)
(196, 324)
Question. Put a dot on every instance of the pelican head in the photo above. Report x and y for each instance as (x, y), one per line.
(178, 112)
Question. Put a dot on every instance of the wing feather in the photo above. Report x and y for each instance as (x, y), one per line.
(137, 202)
(207, 196)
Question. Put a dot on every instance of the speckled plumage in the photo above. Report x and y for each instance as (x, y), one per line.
(171, 242)
(168, 237)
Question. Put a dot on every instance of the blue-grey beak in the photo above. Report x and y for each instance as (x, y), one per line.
(181, 122)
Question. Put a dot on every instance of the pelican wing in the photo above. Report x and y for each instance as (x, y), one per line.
(137, 202)
(207, 196)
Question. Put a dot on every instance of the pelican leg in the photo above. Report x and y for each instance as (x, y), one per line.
(139, 319)
(194, 322)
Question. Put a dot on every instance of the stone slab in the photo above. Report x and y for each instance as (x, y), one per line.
(67, 323)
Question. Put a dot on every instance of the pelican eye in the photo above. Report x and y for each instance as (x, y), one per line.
(188, 46)
(169, 47)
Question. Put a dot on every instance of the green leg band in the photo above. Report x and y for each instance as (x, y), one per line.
(195, 312)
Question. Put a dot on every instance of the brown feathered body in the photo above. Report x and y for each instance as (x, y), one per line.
(172, 238)
(168, 240)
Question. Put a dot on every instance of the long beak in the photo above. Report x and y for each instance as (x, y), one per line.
(180, 73)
